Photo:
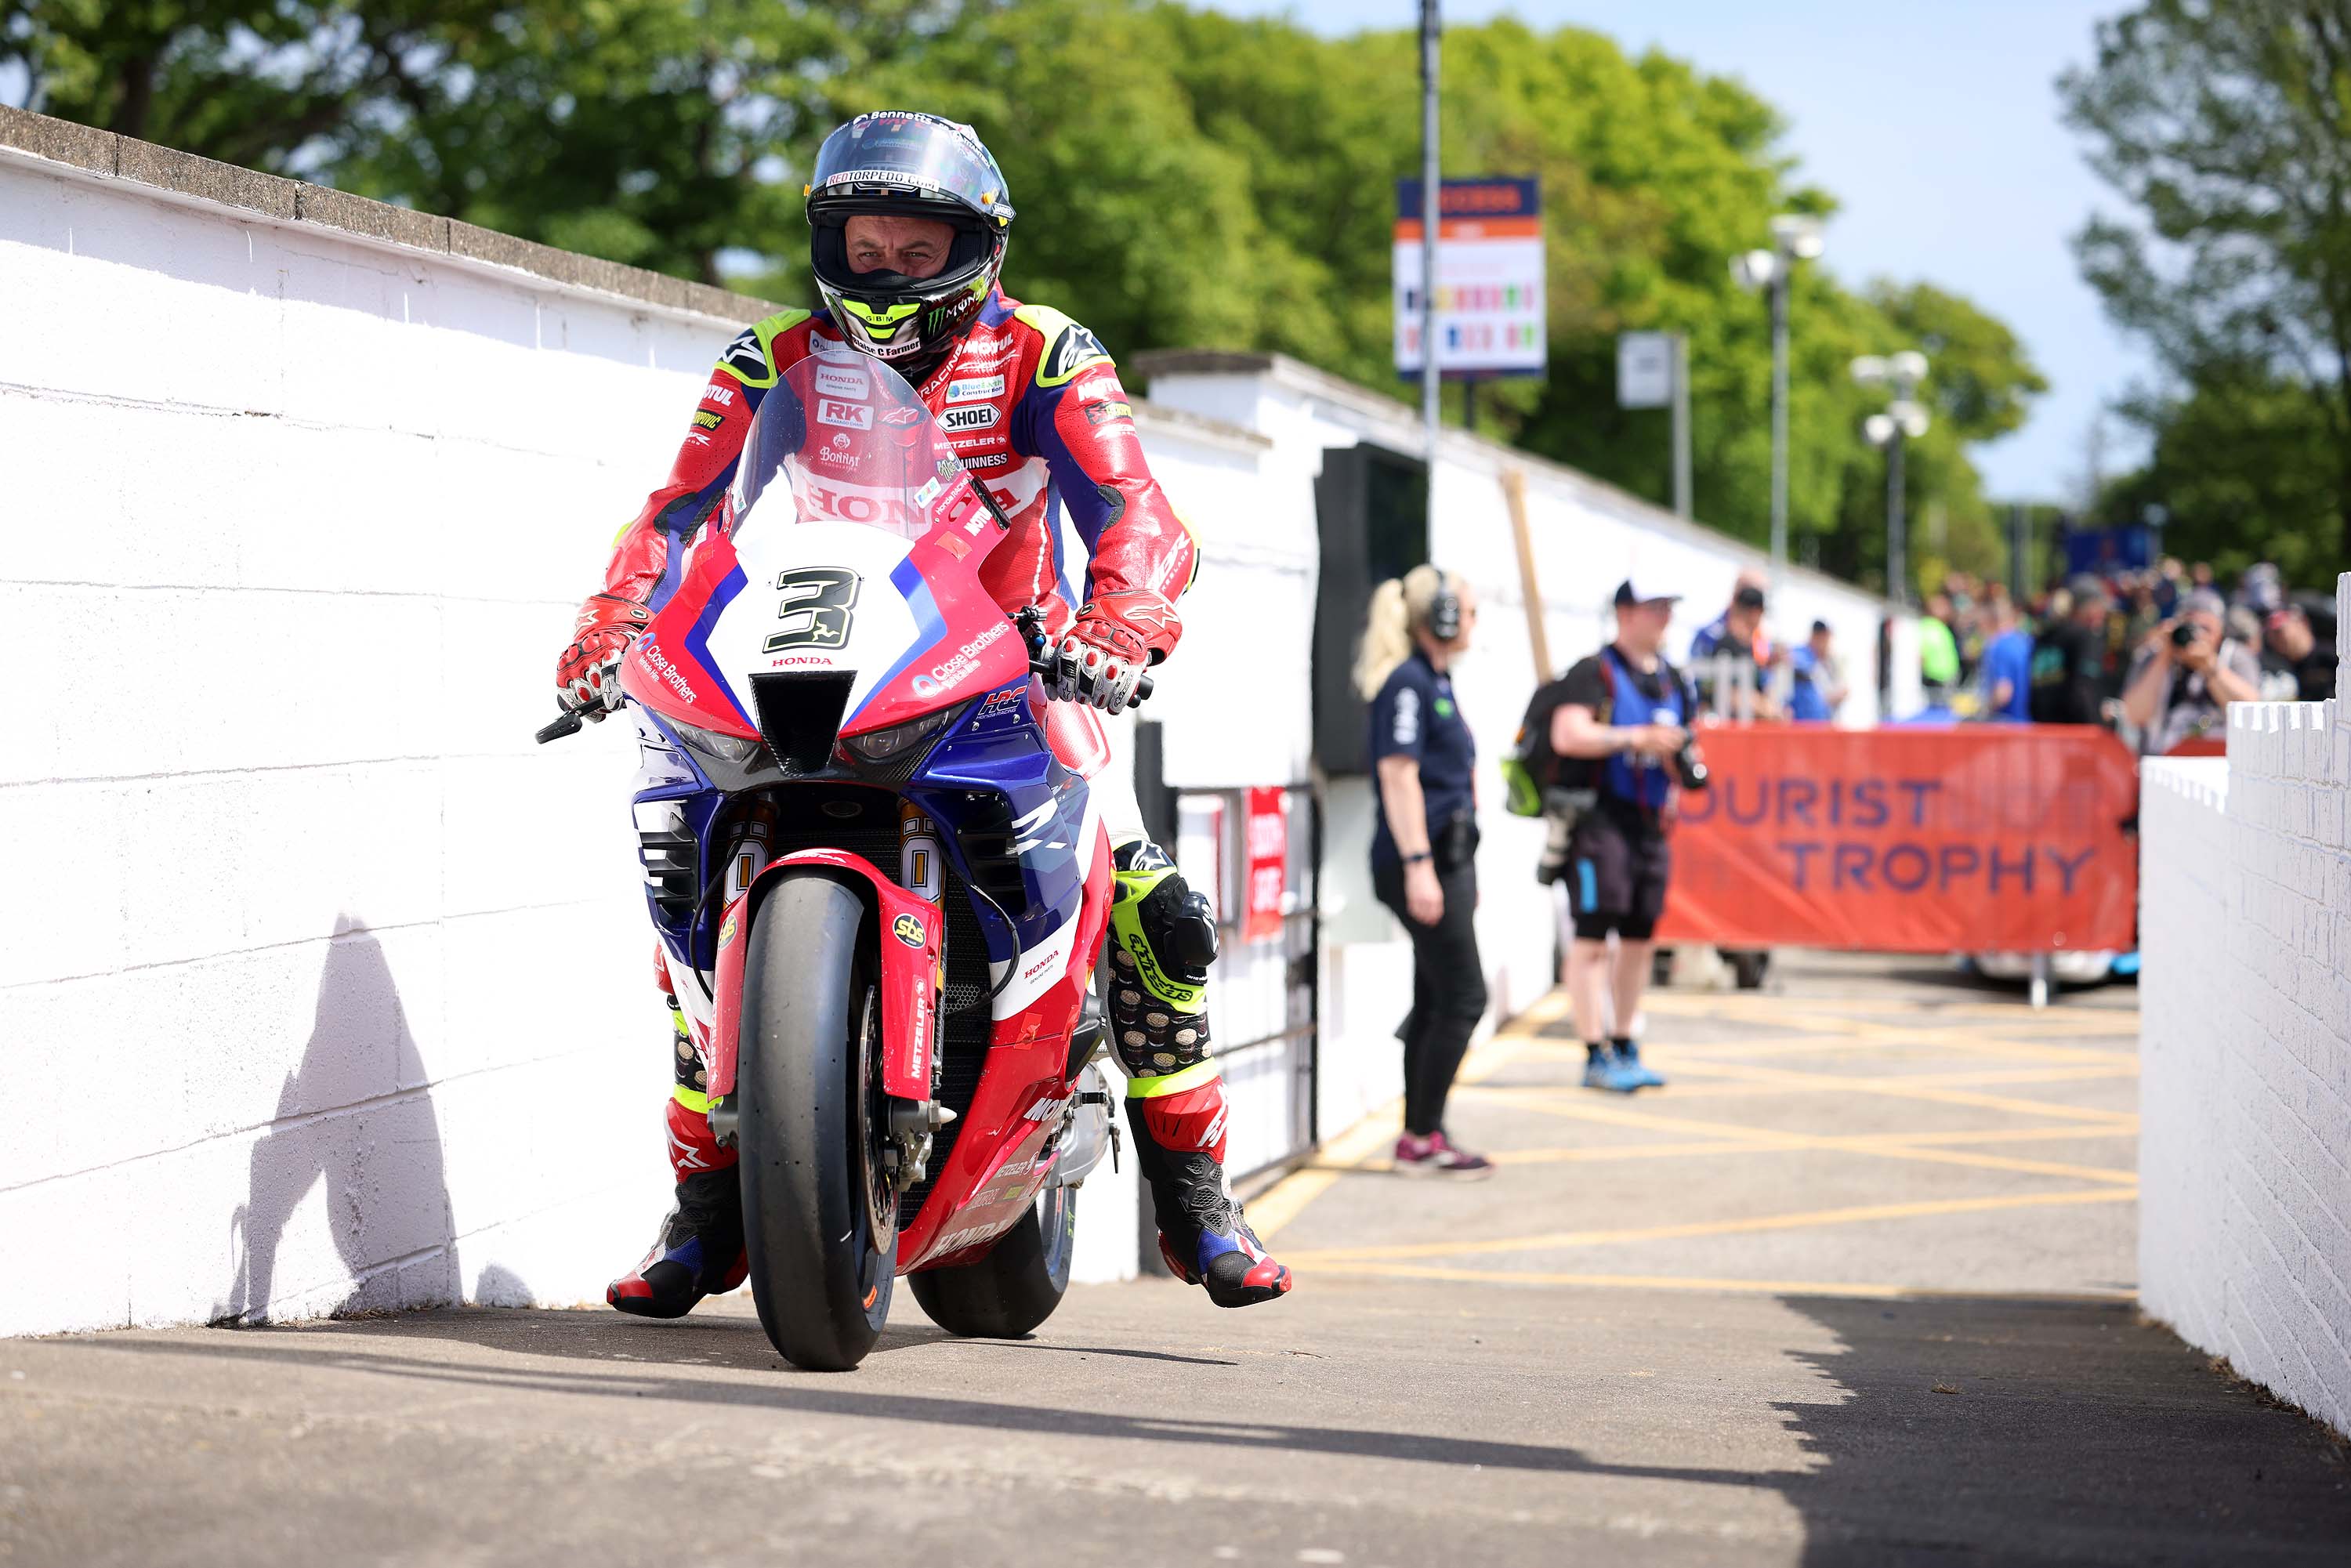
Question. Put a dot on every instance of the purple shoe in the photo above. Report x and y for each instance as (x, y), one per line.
(1435, 1155)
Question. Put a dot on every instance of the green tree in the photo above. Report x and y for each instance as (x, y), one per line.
(2229, 126)
(642, 130)
(1184, 178)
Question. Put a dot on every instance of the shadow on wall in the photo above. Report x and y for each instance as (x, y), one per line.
(357, 1113)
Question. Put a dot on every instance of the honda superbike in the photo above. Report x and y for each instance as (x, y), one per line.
(880, 894)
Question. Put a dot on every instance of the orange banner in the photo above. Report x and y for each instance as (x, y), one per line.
(1985, 838)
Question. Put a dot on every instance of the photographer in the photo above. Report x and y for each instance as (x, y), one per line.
(1629, 711)
(1423, 848)
(2186, 675)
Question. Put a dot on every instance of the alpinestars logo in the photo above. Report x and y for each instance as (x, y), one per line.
(746, 356)
(1073, 351)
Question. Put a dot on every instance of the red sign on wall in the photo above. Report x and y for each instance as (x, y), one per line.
(1268, 859)
(1987, 838)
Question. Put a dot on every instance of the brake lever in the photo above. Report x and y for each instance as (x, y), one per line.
(1046, 663)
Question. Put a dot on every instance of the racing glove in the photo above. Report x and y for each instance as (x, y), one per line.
(1100, 659)
(587, 677)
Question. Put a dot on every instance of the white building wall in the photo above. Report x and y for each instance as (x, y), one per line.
(322, 986)
(2245, 1141)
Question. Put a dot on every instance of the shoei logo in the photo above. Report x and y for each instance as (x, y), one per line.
(856, 415)
(974, 388)
(978, 416)
(907, 929)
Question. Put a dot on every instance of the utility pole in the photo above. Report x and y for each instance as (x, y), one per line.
(1897, 522)
(1431, 204)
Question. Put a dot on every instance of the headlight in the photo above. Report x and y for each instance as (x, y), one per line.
(891, 744)
(717, 746)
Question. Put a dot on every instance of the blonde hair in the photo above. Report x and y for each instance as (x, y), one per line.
(1398, 605)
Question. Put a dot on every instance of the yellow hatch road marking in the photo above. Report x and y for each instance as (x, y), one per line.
(1817, 1218)
(1287, 1199)
(1863, 1291)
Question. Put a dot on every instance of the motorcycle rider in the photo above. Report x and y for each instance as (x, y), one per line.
(908, 217)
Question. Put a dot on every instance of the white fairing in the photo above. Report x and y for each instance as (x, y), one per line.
(883, 630)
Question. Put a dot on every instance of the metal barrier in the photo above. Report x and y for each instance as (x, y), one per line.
(1266, 1003)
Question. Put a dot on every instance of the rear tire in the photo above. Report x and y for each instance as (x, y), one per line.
(808, 1139)
(1015, 1287)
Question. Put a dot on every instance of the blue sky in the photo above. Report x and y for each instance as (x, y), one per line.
(1936, 126)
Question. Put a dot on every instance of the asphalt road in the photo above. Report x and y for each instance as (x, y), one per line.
(1855, 1288)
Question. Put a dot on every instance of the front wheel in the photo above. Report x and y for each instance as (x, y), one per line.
(1017, 1286)
(822, 1251)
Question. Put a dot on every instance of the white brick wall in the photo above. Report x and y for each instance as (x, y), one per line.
(319, 984)
(2245, 1147)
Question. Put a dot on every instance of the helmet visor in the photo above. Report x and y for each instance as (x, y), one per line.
(916, 154)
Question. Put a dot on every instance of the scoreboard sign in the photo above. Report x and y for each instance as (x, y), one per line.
(1489, 279)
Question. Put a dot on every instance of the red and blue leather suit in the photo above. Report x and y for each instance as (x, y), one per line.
(1033, 405)
(1031, 402)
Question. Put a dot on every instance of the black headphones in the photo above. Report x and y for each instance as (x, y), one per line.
(1445, 609)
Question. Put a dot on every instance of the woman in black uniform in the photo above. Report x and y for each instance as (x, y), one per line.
(1423, 850)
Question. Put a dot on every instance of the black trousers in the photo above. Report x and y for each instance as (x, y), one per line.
(1448, 990)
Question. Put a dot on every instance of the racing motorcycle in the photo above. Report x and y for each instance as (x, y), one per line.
(879, 892)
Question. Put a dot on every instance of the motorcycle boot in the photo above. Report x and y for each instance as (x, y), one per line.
(698, 1251)
(1162, 942)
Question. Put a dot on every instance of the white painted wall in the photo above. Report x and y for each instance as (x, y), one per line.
(2245, 1051)
(334, 993)
(306, 985)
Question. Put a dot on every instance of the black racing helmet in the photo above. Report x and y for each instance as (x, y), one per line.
(911, 166)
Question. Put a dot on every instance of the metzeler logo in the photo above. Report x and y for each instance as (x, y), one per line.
(974, 388)
(856, 415)
(978, 416)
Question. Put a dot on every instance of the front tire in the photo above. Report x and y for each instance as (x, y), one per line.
(1015, 1287)
(808, 1137)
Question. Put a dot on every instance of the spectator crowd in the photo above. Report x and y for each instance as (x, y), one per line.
(2157, 654)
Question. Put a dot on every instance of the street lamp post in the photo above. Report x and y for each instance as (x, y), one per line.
(1904, 420)
(1794, 238)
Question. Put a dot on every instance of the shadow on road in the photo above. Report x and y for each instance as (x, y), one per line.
(2048, 1431)
(2003, 1430)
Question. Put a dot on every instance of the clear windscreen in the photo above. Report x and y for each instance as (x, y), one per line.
(848, 441)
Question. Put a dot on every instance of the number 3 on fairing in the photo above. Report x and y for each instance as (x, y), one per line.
(817, 603)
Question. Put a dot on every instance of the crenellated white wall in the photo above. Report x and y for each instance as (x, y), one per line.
(2245, 1050)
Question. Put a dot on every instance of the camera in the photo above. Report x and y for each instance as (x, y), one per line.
(1686, 763)
(2183, 635)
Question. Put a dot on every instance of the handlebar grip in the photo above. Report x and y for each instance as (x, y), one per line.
(1143, 689)
(564, 724)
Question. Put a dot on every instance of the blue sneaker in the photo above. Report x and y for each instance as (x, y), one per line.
(1602, 1071)
(1629, 1061)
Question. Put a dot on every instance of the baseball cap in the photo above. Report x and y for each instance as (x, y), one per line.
(1749, 597)
(1628, 594)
